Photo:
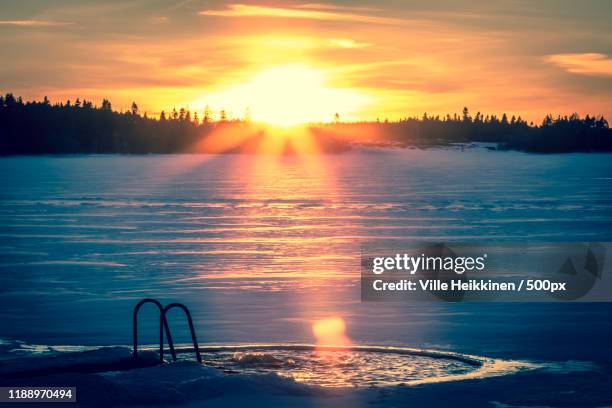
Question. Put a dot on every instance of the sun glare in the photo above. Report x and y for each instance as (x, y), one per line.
(330, 332)
(285, 96)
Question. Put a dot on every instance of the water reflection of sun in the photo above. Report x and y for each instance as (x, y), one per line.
(291, 197)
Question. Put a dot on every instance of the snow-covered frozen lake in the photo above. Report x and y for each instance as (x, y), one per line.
(261, 247)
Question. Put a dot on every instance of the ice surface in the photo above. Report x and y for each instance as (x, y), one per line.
(259, 248)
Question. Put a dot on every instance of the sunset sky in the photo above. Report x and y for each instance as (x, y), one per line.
(300, 60)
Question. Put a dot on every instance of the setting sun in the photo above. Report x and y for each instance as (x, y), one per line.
(286, 95)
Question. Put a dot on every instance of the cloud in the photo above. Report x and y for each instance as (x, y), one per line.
(347, 43)
(321, 6)
(244, 10)
(159, 19)
(32, 23)
(594, 64)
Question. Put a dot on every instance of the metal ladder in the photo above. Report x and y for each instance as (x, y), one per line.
(163, 326)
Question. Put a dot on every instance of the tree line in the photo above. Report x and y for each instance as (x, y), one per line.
(559, 134)
(39, 127)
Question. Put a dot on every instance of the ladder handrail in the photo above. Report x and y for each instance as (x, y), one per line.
(162, 325)
(189, 321)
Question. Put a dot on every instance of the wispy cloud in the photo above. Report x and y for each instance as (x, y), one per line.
(33, 23)
(320, 6)
(347, 43)
(244, 10)
(583, 63)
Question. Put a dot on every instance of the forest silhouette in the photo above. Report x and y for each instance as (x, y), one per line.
(39, 127)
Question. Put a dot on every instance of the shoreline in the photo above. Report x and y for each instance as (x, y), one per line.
(188, 384)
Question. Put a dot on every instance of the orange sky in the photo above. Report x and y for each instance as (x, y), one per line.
(306, 61)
